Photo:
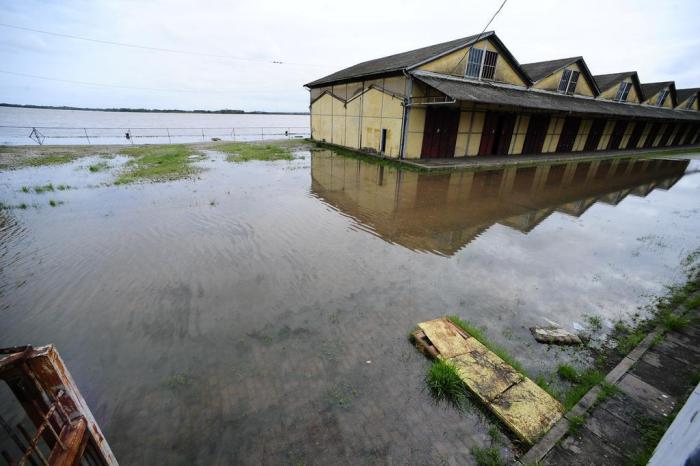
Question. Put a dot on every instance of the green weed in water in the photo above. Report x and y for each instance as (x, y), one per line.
(487, 456)
(244, 152)
(98, 167)
(575, 424)
(158, 163)
(444, 383)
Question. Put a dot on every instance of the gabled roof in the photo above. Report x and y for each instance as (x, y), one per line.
(684, 94)
(493, 93)
(649, 90)
(405, 60)
(606, 81)
(541, 69)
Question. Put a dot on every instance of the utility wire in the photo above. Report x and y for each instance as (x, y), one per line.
(87, 83)
(480, 34)
(156, 49)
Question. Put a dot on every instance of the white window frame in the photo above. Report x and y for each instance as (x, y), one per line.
(481, 64)
(691, 101)
(568, 82)
(663, 94)
(623, 91)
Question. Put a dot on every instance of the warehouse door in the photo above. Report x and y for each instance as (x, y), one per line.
(679, 135)
(653, 132)
(497, 133)
(536, 132)
(617, 133)
(568, 134)
(594, 135)
(440, 132)
(636, 135)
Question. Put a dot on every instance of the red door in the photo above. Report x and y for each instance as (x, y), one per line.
(568, 134)
(536, 133)
(497, 133)
(440, 132)
(617, 134)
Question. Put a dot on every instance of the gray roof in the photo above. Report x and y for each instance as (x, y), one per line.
(542, 69)
(490, 93)
(606, 81)
(397, 62)
(683, 94)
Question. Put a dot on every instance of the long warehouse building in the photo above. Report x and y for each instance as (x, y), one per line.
(471, 97)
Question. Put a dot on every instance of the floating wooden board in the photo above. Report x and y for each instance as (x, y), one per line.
(522, 405)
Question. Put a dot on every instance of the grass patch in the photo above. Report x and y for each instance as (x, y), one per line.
(651, 429)
(55, 203)
(444, 383)
(43, 189)
(245, 152)
(674, 322)
(98, 167)
(581, 383)
(595, 323)
(575, 424)
(487, 456)
(693, 303)
(55, 159)
(157, 163)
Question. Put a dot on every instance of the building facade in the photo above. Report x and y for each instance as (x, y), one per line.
(471, 97)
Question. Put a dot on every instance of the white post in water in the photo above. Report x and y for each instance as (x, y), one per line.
(169, 140)
(86, 135)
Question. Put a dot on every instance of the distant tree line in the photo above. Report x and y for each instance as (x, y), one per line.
(152, 110)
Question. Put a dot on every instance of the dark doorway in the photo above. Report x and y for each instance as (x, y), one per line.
(691, 134)
(617, 134)
(498, 130)
(382, 144)
(653, 132)
(568, 134)
(594, 135)
(536, 132)
(636, 135)
(666, 135)
(440, 132)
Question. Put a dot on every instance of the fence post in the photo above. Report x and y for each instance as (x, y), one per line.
(262, 133)
(233, 130)
(86, 135)
(202, 134)
(168, 130)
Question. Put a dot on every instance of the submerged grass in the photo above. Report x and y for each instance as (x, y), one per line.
(245, 152)
(487, 456)
(98, 167)
(445, 384)
(158, 163)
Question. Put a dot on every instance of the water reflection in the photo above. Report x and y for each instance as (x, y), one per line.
(442, 213)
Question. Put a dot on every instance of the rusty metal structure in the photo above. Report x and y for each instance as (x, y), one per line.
(65, 430)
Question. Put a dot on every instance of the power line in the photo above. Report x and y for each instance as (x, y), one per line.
(88, 83)
(155, 49)
(483, 30)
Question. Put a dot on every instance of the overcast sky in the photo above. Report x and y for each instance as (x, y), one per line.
(658, 39)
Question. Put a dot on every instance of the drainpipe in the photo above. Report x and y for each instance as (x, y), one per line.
(406, 113)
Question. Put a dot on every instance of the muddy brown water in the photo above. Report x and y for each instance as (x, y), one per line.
(259, 313)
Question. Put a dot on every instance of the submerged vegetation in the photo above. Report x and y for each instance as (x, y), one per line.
(158, 163)
(487, 456)
(98, 167)
(244, 151)
(445, 384)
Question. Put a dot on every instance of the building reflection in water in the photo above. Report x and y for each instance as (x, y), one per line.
(442, 213)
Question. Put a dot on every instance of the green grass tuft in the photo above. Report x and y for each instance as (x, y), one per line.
(157, 163)
(487, 456)
(98, 167)
(674, 322)
(575, 424)
(444, 383)
(693, 303)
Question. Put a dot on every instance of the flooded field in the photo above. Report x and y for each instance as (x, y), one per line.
(259, 312)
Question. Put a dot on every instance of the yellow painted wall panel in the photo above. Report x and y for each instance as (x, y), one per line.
(414, 145)
(416, 120)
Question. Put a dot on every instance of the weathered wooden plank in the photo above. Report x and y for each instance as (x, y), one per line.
(445, 337)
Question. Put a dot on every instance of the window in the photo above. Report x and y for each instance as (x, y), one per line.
(662, 98)
(569, 79)
(481, 64)
(623, 91)
(691, 101)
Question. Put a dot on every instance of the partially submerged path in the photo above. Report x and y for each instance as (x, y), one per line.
(653, 382)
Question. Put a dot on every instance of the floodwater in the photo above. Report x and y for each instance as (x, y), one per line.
(94, 127)
(259, 313)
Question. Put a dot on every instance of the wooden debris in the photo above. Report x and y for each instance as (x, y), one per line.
(522, 405)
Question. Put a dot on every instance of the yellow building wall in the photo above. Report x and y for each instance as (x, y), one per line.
(551, 82)
(612, 92)
(353, 115)
(645, 134)
(628, 133)
(553, 132)
(605, 137)
(519, 132)
(454, 64)
(583, 130)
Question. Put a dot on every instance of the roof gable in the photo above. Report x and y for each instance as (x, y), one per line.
(649, 90)
(398, 62)
(607, 81)
(685, 94)
(540, 70)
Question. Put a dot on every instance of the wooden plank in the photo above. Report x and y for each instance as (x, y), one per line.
(74, 438)
(527, 410)
(484, 373)
(445, 337)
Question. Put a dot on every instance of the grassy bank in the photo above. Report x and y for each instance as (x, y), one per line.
(158, 163)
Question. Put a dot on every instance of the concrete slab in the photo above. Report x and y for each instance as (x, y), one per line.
(644, 393)
(615, 431)
(587, 449)
(663, 372)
